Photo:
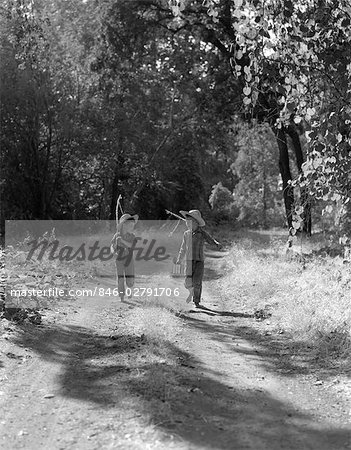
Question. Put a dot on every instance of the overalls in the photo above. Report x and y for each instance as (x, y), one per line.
(193, 249)
(124, 263)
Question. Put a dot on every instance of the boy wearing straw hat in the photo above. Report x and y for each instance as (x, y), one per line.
(121, 244)
(192, 249)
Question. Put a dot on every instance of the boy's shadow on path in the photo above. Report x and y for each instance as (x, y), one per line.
(183, 400)
(224, 313)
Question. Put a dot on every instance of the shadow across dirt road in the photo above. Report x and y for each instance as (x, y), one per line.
(176, 394)
(215, 312)
(211, 414)
(227, 313)
(279, 352)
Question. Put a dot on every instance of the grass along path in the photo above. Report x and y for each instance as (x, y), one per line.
(258, 380)
(99, 374)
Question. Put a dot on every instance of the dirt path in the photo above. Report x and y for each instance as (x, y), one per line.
(225, 385)
(255, 396)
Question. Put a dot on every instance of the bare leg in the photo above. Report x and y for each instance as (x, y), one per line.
(190, 296)
(189, 280)
(130, 276)
(120, 278)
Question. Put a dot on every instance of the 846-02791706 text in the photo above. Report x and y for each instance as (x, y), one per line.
(139, 292)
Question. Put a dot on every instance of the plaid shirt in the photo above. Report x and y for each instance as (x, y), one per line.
(193, 244)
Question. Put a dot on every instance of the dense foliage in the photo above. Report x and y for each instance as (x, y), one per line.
(294, 63)
(149, 99)
(96, 103)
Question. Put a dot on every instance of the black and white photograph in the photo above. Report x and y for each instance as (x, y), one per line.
(175, 224)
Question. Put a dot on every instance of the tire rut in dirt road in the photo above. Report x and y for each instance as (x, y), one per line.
(80, 389)
(242, 401)
(241, 405)
(69, 393)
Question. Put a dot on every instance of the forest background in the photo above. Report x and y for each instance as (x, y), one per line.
(154, 100)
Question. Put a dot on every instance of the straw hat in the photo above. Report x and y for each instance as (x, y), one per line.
(195, 214)
(126, 217)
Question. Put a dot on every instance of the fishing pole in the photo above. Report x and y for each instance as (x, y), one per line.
(175, 215)
(118, 206)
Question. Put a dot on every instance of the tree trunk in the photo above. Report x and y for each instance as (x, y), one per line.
(264, 197)
(285, 172)
(305, 201)
(292, 132)
(307, 223)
